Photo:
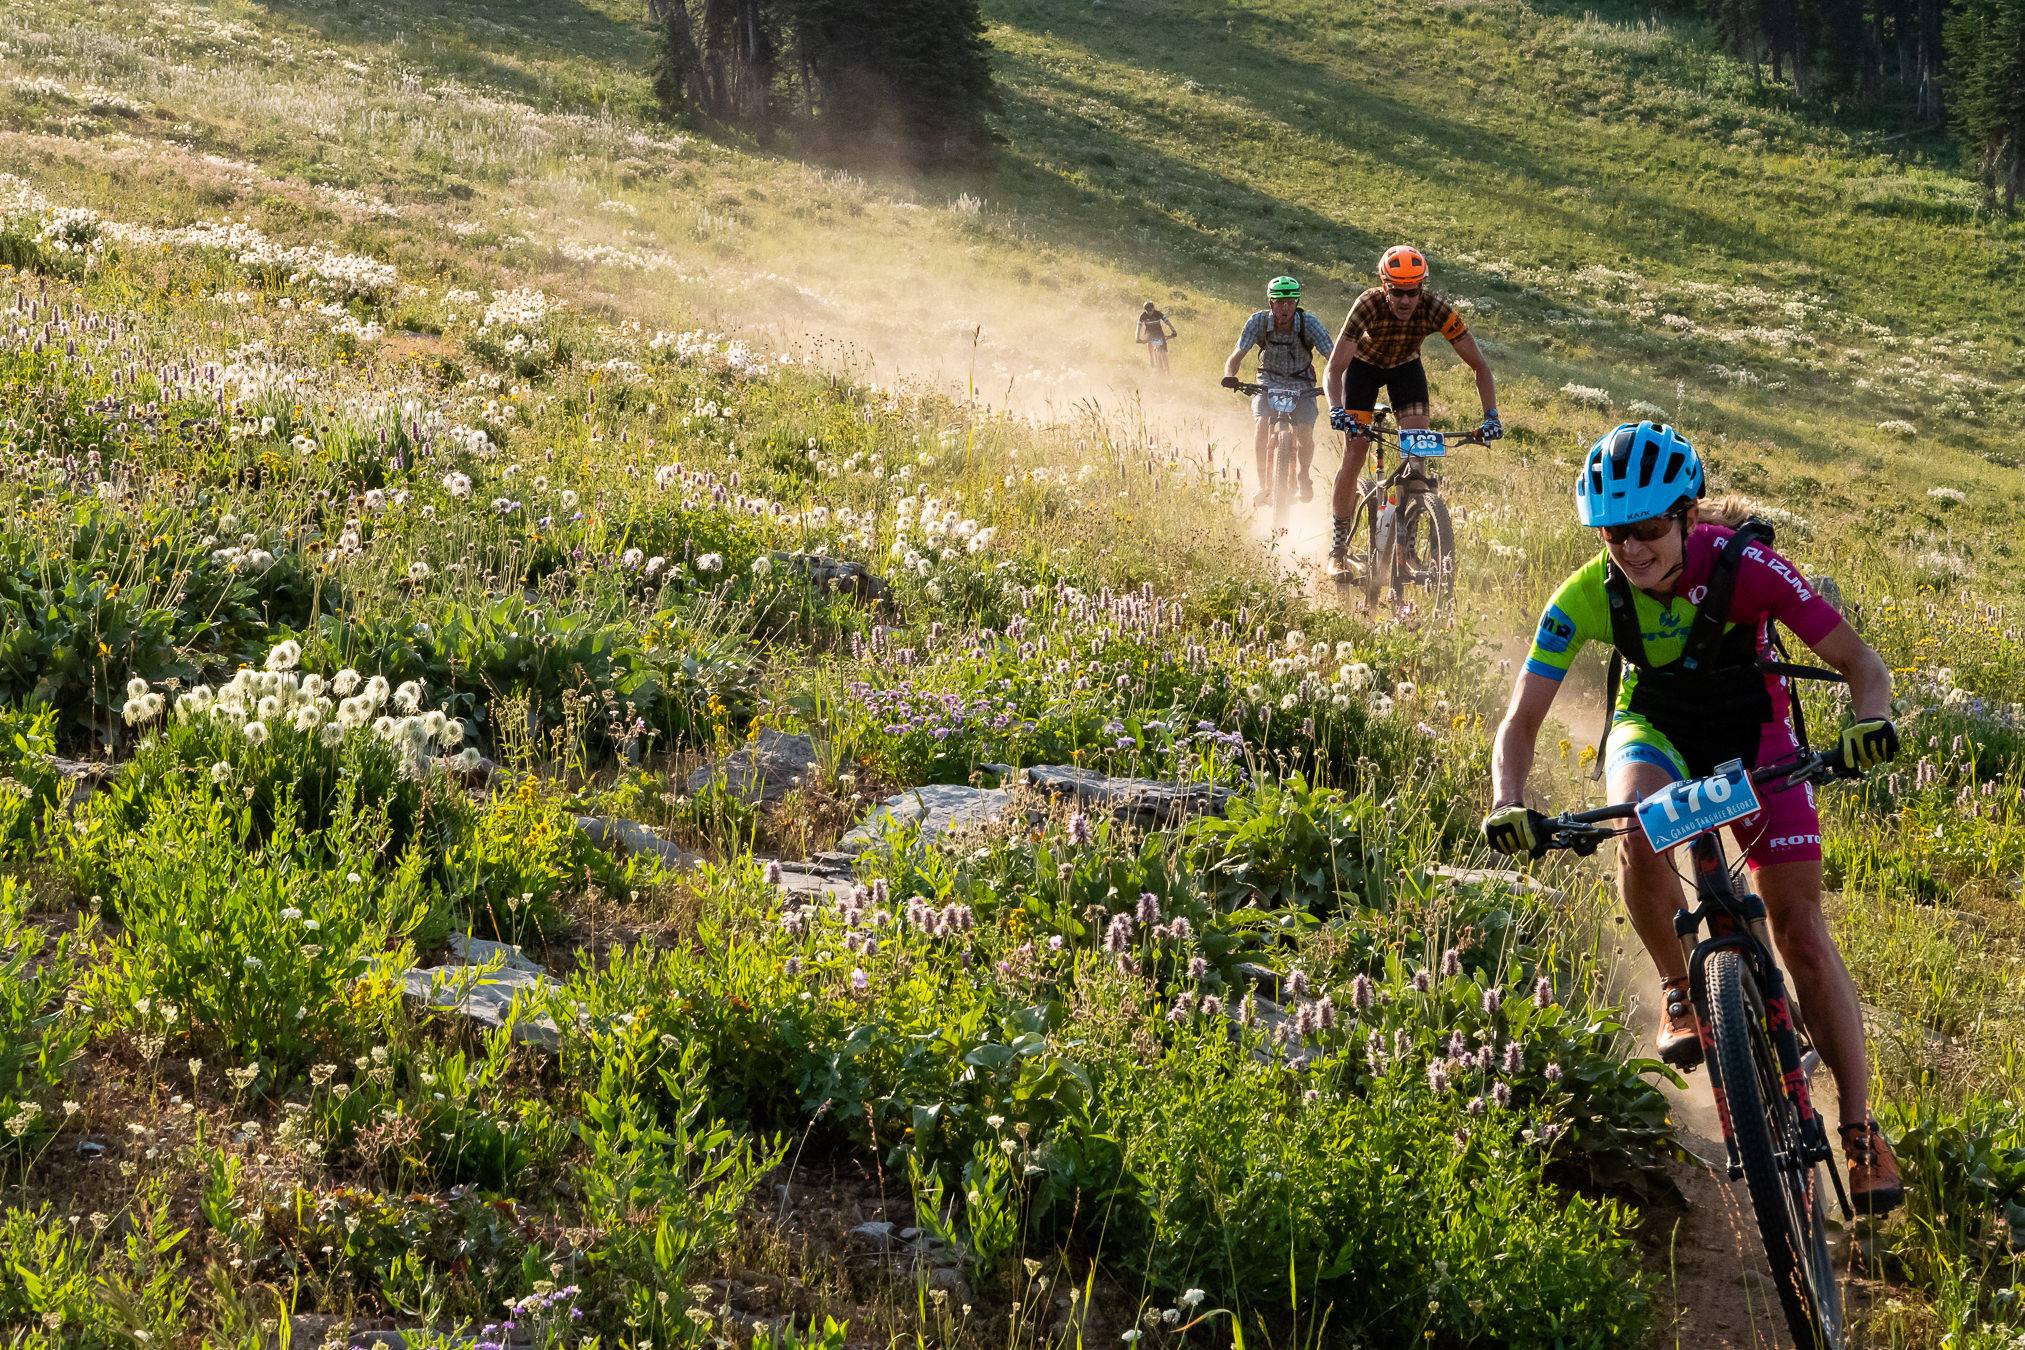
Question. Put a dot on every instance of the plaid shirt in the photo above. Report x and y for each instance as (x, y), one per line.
(1385, 340)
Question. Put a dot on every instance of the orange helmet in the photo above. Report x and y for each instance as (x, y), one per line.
(1402, 265)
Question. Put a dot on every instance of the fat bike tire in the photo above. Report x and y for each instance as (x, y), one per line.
(1427, 536)
(1381, 552)
(1786, 1194)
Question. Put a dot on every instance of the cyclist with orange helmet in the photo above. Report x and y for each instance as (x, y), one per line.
(1379, 348)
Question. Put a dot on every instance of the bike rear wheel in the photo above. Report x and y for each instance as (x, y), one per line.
(1426, 544)
(1785, 1191)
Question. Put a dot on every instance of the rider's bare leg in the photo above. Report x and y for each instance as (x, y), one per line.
(1792, 894)
(1647, 881)
(1343, 496)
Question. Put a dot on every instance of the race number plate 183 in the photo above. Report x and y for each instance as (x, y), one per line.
(1422, 444)
(1676, 814)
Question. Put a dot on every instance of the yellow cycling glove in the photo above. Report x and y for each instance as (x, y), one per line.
(1868, 743)
(1515, 829)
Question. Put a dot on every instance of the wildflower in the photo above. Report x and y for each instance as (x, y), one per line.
(1515, 1057)
(1947, 495)
(137, 687)
(1552, 1073)
(1422, 981)
(255, 733)
(1297, 983)
(345, 682)
(1437, 1076)
(1362, 995)
(1494, 998)
(1543, 992)
(773, 872)
(284, 655)
(1079, 828)
(1501, 1094)
(418, 572)
(1475, 1106)
(1190, 1298)
(1149, 907)
(860, 981)
(457, 485)
(710, 562)
(254, 964)
(1451, 964)
(221, 772)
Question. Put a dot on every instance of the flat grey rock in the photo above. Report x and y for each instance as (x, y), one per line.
(763, 769)
(1493, 876)
(630, 836)
(936, 809)
(474, 951)
(487, 997)
(806, 882)
(1147, 803)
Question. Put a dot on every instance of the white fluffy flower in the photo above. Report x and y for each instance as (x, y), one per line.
(710, 562)
(284, 655)
(255, 732)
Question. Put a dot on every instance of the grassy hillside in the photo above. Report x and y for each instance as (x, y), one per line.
(402, 340)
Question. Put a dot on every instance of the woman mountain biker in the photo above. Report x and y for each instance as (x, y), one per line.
(1379, 348)
(1688, 606)
(1287, 337)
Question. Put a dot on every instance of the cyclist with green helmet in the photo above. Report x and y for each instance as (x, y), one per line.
(1287, 337)
(1688, 606)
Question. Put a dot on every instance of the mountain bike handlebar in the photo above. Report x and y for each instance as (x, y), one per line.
(1253, 390)
(1583, 832)
(1381, 432)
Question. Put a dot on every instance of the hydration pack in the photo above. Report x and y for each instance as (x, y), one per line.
(1711, 700)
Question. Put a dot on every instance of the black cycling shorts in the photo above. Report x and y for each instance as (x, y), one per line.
(1405, 382)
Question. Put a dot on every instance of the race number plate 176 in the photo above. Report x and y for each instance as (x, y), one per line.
(1678, 813)
(1422, 444)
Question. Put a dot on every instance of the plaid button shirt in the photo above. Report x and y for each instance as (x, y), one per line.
(1385, 340)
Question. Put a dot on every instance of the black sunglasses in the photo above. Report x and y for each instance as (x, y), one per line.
(1644, 531)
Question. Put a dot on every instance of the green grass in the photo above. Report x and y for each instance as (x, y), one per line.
(1624, 212)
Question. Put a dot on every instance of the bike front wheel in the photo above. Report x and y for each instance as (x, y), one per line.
(1785, 1191)
(1426, 544)
(1286, 468)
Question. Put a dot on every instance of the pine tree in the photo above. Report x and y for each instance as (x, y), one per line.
(1986, 67)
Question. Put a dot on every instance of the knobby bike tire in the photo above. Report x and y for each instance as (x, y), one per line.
(1285, 470)
(1381, 552)
(1426, 533)
(1766, 1127)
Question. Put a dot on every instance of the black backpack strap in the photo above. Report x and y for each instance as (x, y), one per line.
(1626, 643)
(1611, 682)
(1714, 611)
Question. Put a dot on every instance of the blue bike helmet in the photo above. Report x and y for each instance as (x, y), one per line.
(1639, 471)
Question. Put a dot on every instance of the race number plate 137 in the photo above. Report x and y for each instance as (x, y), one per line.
(1422, 444)
(1676, 814)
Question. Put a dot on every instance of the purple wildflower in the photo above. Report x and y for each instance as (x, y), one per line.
(1475, 1107)
(773, 873)
(1149, 907)
(1543, 992)
(1451, 964)
(1515, 1057)
(1494, 998)
(860, 981)
(1437, 1076)
(1552, 1073)
(1197, 967)
(1361, 993)
(1297, 983)
(1325, 1013)
(1422, 981)
(1079, 829)
(1501, 1093)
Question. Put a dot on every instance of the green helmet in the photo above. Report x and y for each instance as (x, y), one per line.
(1283, 288)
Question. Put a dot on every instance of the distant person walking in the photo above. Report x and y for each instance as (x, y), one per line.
(1287, 337)
(1155, 331)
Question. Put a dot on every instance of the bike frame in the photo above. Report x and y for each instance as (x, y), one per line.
(1735, 922)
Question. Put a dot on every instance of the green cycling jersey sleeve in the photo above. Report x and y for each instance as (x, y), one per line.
(1577, 615)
